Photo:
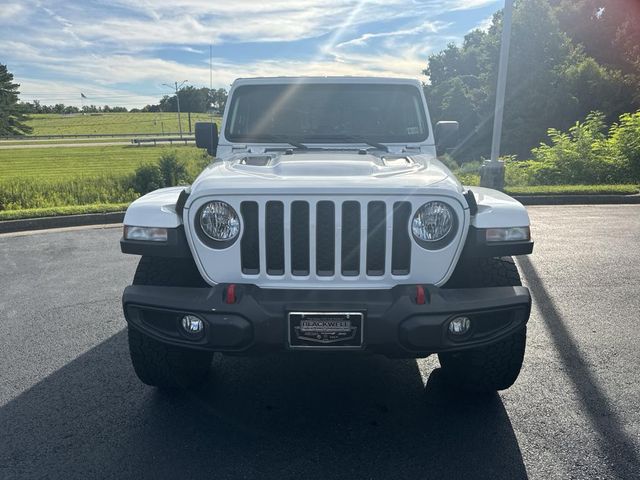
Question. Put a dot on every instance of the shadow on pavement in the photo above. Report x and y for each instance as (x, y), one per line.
(614, 442)
(306, 416)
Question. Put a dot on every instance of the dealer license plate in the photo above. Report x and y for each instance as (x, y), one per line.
(325, 330)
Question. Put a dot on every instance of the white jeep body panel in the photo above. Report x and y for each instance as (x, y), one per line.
(256, 173)
(155, 209)
(497, 209)
(327, 176)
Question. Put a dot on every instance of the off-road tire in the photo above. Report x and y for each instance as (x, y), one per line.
(168, 272)
(486, 369)
(156, 363)
(166, 366)
(497, 366)
(485, 272)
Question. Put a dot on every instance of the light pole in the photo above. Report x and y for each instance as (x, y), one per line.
(177, 87)
(492, 171)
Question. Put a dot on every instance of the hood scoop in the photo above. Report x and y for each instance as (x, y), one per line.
(323, 164)
(256, 160)
(397, 161)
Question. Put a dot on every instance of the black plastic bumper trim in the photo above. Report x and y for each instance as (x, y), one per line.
(393, 323)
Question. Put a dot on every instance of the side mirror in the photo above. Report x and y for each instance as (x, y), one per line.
(207, 137)
(446, 134)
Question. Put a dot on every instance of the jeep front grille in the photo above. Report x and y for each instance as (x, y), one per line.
(320, 238)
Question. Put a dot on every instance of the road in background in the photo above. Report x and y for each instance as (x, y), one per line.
(144, 142)
(71, 407)
(26, 144)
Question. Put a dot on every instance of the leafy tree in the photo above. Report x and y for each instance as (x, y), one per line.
(217, 99)
(151, 108)
(147, 178)
(588, 153)
(174, 170)
(551, 82)
(193, 99)
(12, 115)
(624, 143)
(608, 30)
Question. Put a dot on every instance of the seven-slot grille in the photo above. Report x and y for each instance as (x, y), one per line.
(326, 238)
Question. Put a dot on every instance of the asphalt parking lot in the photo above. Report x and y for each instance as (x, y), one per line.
(71, 406)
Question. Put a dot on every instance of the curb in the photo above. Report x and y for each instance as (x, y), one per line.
(578, 199)
(10, 226)
(42, 223)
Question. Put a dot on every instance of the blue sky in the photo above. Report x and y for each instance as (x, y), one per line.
(120, 52)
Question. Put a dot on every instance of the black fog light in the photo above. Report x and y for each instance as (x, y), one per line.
(193, 326)
(459, 326)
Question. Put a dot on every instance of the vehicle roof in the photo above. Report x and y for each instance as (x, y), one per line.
(327, 79)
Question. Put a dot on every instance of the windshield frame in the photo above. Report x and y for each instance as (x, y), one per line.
(326, 140)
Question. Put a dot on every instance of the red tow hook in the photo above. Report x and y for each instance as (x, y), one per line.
(420, 295)
(230, 296)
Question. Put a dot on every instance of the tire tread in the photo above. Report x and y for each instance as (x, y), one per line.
(156, 363)
(496, 366)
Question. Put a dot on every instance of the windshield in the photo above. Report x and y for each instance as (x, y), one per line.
(326, 113)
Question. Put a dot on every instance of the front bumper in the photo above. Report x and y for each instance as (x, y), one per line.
(394, 323)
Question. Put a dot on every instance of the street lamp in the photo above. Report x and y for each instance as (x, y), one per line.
(492, 171)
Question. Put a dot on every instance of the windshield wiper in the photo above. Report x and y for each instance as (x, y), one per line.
(282, 139)
(354, 138)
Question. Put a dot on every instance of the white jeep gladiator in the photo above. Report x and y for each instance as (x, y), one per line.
(325, 222)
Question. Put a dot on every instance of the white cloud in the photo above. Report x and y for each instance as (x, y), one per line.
(424, 28)
(194, 22)
(10, 12)
(111, 48)
(484, 24)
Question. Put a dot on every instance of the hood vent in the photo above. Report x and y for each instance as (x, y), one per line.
(256, 160)
(397, 162)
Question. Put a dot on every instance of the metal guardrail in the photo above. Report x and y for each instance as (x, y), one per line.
(86, 135)
(156, 140)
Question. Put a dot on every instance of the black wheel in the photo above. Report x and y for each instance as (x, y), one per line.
(156, 363)
(168, 272)
(485, 272)
(497, 366)
(166, 366)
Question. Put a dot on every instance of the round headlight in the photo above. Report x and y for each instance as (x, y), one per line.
(219, 221)
(433, 222)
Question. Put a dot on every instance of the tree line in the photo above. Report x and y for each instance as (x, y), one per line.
(567, 58)
(37, 107)
(192, 99)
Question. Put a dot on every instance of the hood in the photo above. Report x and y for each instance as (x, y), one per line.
(326, 171)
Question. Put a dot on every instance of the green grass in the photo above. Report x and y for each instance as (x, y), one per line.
(28, 193)
(68, 210)
(574, 190)
(74, 162)
(109, 123)
(55, 177)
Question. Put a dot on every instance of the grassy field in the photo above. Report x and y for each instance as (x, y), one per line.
(73, 162)
(574, 190)
(66, 176)
(57, 211)
(113, 123)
